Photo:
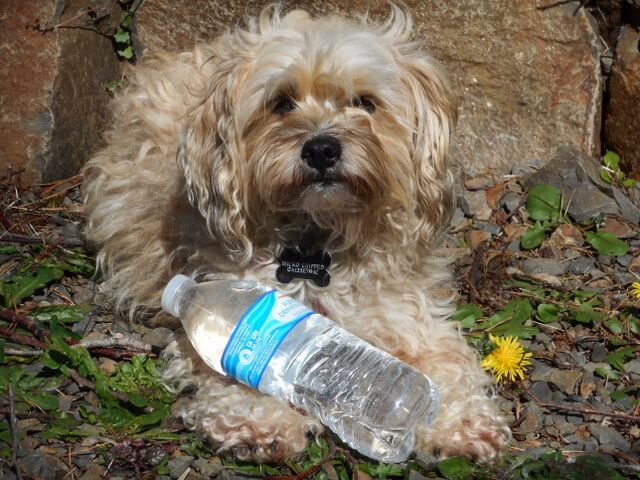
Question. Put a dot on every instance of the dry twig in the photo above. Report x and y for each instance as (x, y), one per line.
(22, 353)
(117, 347)
(35, 239)
(25, 322)
(19, 338)
(474, 273)
(583, 411)
(118, 341)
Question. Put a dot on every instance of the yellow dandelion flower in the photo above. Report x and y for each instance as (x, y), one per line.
(508, 360)
(635, 290)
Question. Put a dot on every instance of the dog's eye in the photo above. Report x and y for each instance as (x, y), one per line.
(364, 102)
(283, 105)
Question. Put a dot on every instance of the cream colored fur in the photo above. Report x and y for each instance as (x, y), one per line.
(201, 175)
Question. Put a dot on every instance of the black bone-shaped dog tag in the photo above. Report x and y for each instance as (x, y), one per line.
(293, 264)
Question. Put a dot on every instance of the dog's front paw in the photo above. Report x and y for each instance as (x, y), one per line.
(262, 450)
(256, 445)
(481, 438)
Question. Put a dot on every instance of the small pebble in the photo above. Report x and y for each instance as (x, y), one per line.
(598, 353)
(624, 260)
(514, 246)
(542, 391)
(488, 227)
(208, 467)
(609, 438)
(108, 366)
(178, 465)
(581, 266)
(565, 428)
(604, 259)
(510, 202)
(478, 205)
(535, 266)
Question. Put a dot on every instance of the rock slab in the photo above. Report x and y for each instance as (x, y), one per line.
(622, 120)
(577, 175)
(53, 103)
(528, 78)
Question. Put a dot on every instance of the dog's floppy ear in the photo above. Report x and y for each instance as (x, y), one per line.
(434, 115)
(208, 157)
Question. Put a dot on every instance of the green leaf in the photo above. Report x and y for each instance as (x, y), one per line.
(467, 314)
(126, 53)
(196, 448)
(629, 182)
(122, 37)
(533, 237)
(77, 262)
(5, 434)
(141, 378)
(163, 467)
(456, 468)
(61, 356)
(606, 244)
(317, 450)
(24, 283)
(607, 373)
(45, 401)
(605, 176)
(67, 427)
(510, 321)
(117, 417)
(618, 395)
(519, 283)
(112, 86)
(259, 470)
(586, 314)
(584, 294)
(381, 470)
(611, 160)
(8, 249)
(152, 418)
(88, 415)
(161, 435)
(547, 313)
(59, 330)
(543, 202)
(619, 357)
(125, 20)
(614, 325)
(63, 313)
(342, 472)
(589, 467)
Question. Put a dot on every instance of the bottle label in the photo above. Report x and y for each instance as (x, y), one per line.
(258, 334)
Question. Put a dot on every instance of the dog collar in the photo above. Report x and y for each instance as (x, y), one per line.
(295, 264)
(307, 260)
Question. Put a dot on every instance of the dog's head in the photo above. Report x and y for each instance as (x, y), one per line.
(349, 123)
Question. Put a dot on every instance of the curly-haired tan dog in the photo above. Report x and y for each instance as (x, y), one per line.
(293, 129)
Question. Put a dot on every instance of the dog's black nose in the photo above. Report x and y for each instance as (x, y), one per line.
(321, 152)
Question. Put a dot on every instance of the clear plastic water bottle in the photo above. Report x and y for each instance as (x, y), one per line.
(270, 342)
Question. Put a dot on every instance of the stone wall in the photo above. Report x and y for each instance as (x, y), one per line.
(528, 78)
(622, 120)
(53, 101)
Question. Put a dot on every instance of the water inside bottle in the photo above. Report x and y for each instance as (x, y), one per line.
(372, 400)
